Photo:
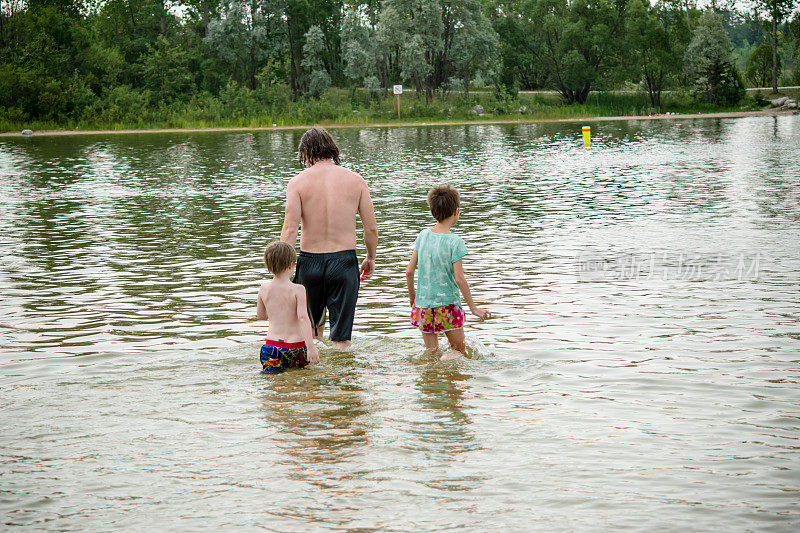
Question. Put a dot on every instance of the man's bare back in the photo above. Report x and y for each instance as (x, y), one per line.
(325, 198)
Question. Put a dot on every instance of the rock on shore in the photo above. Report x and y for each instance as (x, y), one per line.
(784, 102)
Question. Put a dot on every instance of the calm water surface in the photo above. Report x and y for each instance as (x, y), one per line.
(642, 371)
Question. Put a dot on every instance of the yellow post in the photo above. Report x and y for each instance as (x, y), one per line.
(587, 137)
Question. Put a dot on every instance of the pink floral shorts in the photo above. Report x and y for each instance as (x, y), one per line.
(437, 319)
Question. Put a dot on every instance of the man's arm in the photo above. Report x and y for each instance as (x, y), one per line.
(291, 217)
(367, 213)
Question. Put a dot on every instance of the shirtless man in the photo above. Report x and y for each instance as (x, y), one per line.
(324, 198)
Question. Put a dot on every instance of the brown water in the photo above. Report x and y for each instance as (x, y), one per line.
(642, 371)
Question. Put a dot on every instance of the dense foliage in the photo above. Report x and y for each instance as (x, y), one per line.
(169, 61)
(709, 66)
(759, 66)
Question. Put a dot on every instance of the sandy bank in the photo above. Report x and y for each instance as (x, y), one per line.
(732, 114)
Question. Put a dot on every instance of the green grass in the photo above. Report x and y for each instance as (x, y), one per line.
(125, 108)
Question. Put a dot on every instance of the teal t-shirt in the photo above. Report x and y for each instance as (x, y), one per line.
(436, 283)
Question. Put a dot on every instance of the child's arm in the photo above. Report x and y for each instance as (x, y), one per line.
(461, 281)
(261, 309)
(412, 266)
(305, 325)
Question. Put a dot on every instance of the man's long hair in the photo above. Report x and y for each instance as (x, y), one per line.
(315, 145)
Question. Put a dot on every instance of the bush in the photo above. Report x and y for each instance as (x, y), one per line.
(236, 100)
(122, 104)
(373, 86)
(17, 91)
(318, 83)
(731, 89)
(52, 99)
(80, 95)
(504, 103)
(10, 117)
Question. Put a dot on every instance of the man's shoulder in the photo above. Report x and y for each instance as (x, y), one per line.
(346, 173)
(338, 171)
(299, 177)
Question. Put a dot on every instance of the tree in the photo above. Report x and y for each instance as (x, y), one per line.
(166, 71)
(204, 10)
(708, 62)
(518, 66)
(759, 66)
(578, 43)
(319, 80)
(657, 38)
(433, 40)
(794, 50)
(244, 35)
(416, 67)
(300, 16)
(313, 49)
(475, 43)
(777, 10)
(358, 48)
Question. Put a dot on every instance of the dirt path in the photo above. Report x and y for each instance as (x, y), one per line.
(732, 114)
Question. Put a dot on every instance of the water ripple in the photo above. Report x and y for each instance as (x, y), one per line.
(641, 373)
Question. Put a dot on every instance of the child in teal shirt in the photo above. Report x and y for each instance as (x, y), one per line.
(435, 301)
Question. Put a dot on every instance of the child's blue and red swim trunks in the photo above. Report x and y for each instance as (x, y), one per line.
(277, 356)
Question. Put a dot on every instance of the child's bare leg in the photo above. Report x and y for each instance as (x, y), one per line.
(431, 341)
(318, 332)
(456, 339)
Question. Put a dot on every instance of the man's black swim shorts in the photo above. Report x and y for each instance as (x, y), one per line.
(331, 281)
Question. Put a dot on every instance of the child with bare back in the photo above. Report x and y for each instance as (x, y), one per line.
(435, 301)
(289, 342)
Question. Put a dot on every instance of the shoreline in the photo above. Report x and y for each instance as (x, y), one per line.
(478, 122)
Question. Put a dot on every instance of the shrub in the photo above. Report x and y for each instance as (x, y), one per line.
(122, 104)
(318, 83)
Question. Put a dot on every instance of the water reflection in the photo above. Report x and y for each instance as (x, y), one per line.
(319, 415)
(442, 390)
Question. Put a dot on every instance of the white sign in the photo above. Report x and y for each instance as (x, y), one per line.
(398, 89)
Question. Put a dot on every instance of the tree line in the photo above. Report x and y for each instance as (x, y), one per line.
(62, 59)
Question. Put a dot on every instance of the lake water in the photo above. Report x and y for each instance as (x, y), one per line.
(641, 372)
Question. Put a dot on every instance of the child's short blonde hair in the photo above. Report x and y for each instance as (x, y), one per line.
(443, 200)
(279, 256)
